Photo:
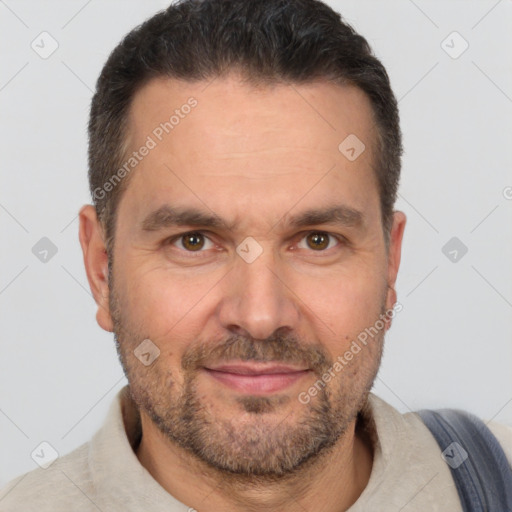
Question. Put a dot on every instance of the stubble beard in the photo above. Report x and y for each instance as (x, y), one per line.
(257, 443)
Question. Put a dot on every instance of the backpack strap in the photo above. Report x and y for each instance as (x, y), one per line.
(478, 464)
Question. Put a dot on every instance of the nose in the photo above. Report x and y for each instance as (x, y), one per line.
(257, 300)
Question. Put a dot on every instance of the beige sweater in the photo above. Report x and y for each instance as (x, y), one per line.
(105, 475)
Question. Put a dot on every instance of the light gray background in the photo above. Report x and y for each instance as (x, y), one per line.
(451, 344)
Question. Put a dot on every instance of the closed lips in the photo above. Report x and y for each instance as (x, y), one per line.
(256, 369)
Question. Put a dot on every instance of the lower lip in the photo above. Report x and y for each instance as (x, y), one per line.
(267, 383)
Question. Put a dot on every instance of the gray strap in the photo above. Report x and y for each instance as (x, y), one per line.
(479, 466)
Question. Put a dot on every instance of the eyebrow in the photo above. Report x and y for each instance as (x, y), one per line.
(340, 215)
(167, 216)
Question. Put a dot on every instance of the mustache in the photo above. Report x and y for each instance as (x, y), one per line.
(282, 348)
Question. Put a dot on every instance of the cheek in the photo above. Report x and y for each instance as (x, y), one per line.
(343, 304)
(165, 304)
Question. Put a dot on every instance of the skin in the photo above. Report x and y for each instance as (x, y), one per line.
(254, 157)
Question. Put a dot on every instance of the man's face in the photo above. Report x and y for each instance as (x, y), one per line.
(245, 327)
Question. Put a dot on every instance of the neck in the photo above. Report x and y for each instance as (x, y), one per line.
(335, 478)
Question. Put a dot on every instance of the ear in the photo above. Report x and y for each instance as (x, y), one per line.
(96, 263)
(394, 255)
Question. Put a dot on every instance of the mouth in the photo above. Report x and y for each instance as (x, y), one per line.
(257, 378)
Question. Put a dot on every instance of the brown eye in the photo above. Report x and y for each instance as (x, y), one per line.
(318, 241)
(193, 241)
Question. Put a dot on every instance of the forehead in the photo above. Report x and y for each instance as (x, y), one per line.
(267, 115)
(223, 143)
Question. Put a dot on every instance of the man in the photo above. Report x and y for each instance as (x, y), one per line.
(243, 249)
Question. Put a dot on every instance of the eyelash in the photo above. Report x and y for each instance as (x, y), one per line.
(170, 241)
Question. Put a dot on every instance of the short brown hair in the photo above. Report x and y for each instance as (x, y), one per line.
(270, 41)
